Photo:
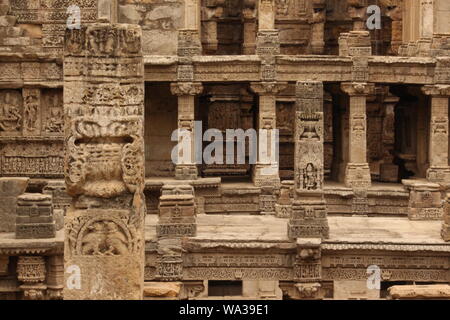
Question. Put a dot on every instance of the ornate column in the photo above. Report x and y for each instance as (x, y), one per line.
(104, 162)
(266, 170)
(357, 10)
(426, 18)
(394, 10)
(439, 170)
(318, 27)
(211, 11)
(186, 167)
(249, 22)
(389, 170)
(445, 231)
(357, 173)
(309, 212)
(189, 36)
(267, 40)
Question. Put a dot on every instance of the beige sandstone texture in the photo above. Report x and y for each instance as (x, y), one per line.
(350, 201)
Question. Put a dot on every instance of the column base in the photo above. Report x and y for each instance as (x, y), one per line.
(186, 172)
(308, 220)
(357, 175)
(266, 176)
(438, 174)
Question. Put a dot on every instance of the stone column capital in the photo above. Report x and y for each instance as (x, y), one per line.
(186, 88)
(267, 88)
(358, 88)
(437, 90)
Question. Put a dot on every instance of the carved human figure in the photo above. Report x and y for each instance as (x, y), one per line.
(10, 119)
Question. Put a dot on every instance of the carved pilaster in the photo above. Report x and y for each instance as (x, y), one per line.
(389, 170)
(357, 11)
(357, 172)
(439, 170)
(308, 269)
(31, 272)
(317, 42)
(104, 162)
(250, 26)
(185, 167)
(309, 213)
(266, 169)
(394, 10)
(211, 11)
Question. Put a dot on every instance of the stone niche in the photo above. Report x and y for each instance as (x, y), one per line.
(160, 21)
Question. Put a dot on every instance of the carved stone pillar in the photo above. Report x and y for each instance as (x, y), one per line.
(211, 11)
(394, 10)
(439, 170)
(266, 169)
(389, 170)
(357, 10)
(318, 27)
(357, 174)
(308, 270)
(249, 22)
(426, 18)
(309, 212)
(104, 162)
(31, 272)
(55, 277)
(186, 167)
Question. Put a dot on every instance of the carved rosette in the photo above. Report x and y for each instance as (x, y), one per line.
(104, 164)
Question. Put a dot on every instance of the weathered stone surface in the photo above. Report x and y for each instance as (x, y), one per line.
(438, 291)
(10, 189)
(104, 225)
(162, 289)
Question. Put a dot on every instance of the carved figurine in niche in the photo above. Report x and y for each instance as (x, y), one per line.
(10, 117)
(31, 112)
(54, 122)
(310, 177)
(102, 41)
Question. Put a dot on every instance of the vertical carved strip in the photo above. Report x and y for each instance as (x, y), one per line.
(309, 213)
(104, 171)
